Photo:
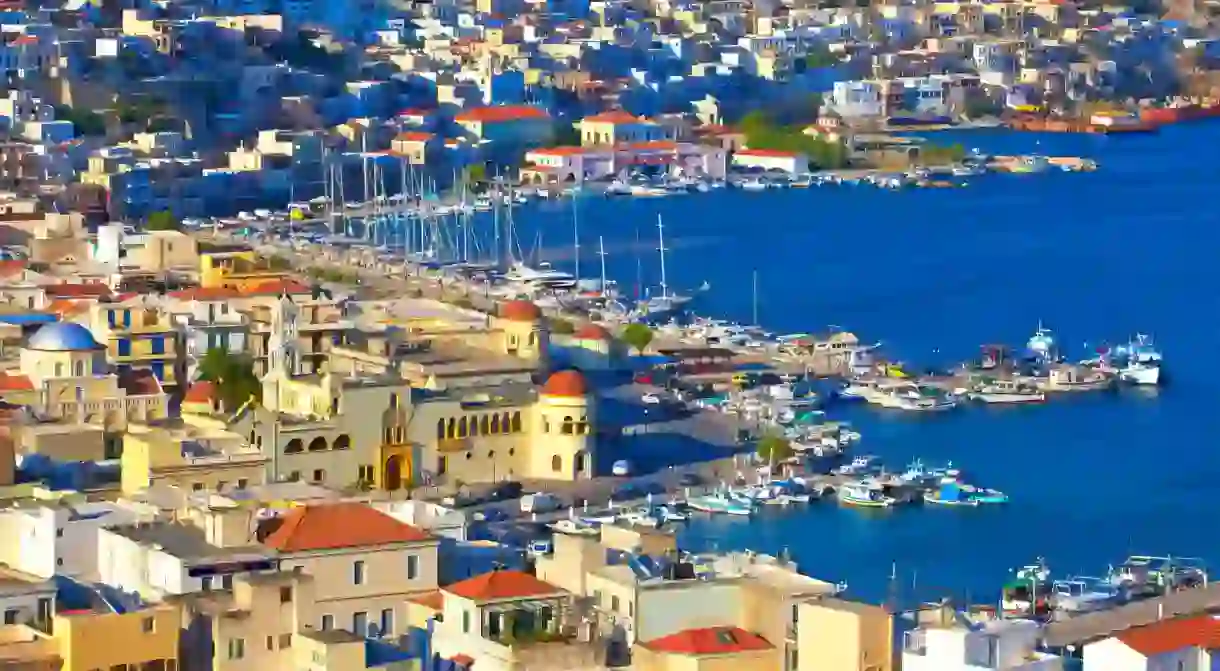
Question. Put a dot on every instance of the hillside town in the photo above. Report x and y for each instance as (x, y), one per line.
(232, 439)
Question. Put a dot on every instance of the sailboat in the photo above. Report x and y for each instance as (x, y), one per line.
(666, 303)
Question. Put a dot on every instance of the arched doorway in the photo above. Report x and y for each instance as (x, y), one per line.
(393, 473)
(580, 464)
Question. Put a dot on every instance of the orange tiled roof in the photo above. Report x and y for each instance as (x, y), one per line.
(278, 287)
(766, 153)
(15, 382)
(205, 293)
(202, 391)
(1170, 635)
(432, 600)
(615, 116)
(502, 113)
(709, 641)
(339, 525)
(500, 585)
(569, 383)
(560, 151)
(139, 383)
(414, 136)
(66, 308)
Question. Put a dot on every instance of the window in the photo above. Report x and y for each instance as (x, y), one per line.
(465, 622)
(328, 622)
(124, 347)
(271, 643)
(226, 582)
(148, 625)
(242, 483)
(412, 567)
(294, 476)
(285, 595)
(237, 648)
(158, 345)
(205, 583)
(319, 475)
(556, 463)
(10, 616)
(294, 446)
(360, 623)
(365, 473)
(614, 603)
(358, 573)
(387, 622)
(285, 641)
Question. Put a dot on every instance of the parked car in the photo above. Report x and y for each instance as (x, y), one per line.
(650, 399)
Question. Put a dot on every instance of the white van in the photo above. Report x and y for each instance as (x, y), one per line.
(539, 503)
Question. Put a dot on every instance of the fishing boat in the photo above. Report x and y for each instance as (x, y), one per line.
(1085, 595)
(1001, 391)
(1028, 590)
(1138, 362)
(719, 503)
(865, 494)
(866, 463)
(950, 494)
(574, 527)
(1145, 575)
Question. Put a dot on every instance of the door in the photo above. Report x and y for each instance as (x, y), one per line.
(393, 473)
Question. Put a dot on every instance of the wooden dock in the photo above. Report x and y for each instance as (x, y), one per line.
(1093, 626)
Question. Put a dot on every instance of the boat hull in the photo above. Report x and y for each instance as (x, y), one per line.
(1143, 375)
(864, 503)
(1003, 399)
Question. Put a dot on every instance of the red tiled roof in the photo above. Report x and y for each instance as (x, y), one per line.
(10, 268)
(1170, 635)
(659, 145)
(502, 113)
(91, 290)
(339, 525)
(414, 136)
(200, 392)
(139, 383)
(559, 151)
(566, 383)
(709, 641)
(766, 153)
(615, 116)
(15, 382)
(205, 293)
(520, 311)
(462, 659)
(66, 308)
(432, 600)
(593, 331)
(500, 585)
(278, 287)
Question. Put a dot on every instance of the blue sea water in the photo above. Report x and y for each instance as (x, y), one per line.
(934, 274)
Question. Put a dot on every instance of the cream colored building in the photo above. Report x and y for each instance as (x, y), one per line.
(191, 457)
(64, 375)
(364, 563)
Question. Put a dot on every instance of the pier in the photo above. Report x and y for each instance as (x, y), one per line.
(1093, 626)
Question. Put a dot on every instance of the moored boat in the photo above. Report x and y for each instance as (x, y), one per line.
(719, 503)
(865, 495)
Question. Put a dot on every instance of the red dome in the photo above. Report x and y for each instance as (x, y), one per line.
(520, 311)
(565, 383)
(592, 331)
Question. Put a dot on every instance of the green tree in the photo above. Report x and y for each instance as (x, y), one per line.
(163, 221)
(562, 327)
(774, 449)
(233, 374)
(637, 336)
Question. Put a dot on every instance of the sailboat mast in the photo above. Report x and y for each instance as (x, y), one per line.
(601, 252)
(576, 236)
(661, 240)
(754, 298)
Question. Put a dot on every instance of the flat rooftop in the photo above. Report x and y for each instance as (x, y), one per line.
(14, 582)
(185, 541)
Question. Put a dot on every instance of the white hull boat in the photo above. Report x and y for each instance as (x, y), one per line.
(1141, 374)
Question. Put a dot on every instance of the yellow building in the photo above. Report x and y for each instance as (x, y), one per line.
(236, 268)
(88, 640)
(190, 457)
(839, 635)
(138, 336)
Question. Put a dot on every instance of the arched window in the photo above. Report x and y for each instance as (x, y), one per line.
(505, 423)
(451, 428)
(582, 427)
(557, 463)
(580, 462)
(343, 442)
(393, 401)
(567, 427)
(517, 422)
(440, 428)
(485, 425)
(317, 444)
(294, 446)
(59, 370)
(495, 424)
(461, 428)
(533, 338)
(80, 369)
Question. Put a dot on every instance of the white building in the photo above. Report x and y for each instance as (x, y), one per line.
(771, 159)
(957, 644)
(25, 599)
(60, 537)
(435, 519)
(1182, 644)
